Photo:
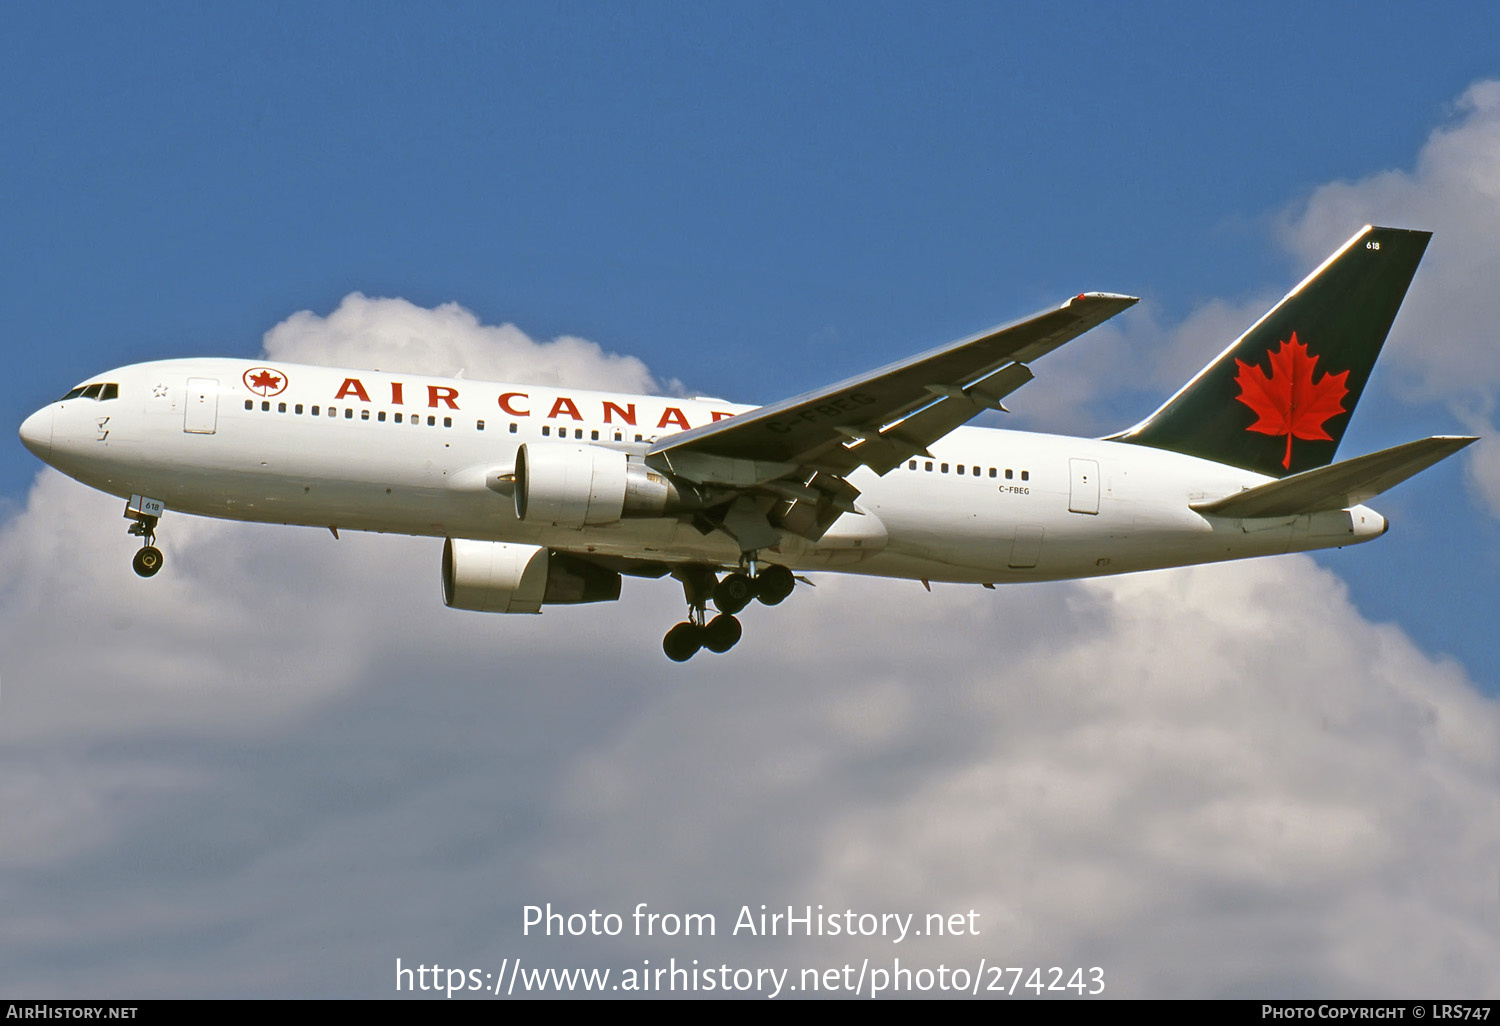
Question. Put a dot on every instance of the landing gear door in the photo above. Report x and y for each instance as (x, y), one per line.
(201, 411)
(1083, 492)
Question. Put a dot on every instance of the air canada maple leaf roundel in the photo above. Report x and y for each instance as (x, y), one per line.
(266, 381)
(1288, 401)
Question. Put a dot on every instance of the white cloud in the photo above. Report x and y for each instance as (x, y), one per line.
(1123, 771)
(274, 600)
(1078, 388)
(1444, 340)
(396, 335)
(286, 763)
(1484, 463)
(1442, 346)
(1446, 327)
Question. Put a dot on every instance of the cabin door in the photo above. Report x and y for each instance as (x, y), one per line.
(201, 413)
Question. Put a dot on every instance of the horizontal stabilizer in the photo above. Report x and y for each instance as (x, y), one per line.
(1338, 486)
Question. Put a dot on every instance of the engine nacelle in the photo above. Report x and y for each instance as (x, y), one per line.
(586, 485)
(501, 577)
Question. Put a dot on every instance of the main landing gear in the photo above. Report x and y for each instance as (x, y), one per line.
(700, 584)
(145, 513)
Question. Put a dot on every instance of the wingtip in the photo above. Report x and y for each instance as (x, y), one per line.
(1393, 230)
(1106, 297)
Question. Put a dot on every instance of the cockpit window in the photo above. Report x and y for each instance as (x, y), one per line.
(99, 390)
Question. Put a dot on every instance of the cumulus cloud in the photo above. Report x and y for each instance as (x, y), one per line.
(1282, 779)
(1448, 321)
(1443, 346)
(397, 335)
(1283, 797)
(1120, 372)
(276, 601)
(1446, 349)
(281, 764)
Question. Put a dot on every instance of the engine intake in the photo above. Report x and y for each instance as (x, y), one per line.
(587, 485)
(502, 577)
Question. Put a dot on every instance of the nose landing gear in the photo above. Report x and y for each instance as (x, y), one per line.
(145, 513)
(730, 595)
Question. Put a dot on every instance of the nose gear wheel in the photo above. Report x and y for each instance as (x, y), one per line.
(148, 559)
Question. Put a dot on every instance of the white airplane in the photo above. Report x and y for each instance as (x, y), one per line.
(549, 495)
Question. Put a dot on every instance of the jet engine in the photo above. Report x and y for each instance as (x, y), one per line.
(501, 577)
(586, 485)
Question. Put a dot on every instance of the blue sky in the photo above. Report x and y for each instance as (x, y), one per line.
(754, 200)
(677, 181)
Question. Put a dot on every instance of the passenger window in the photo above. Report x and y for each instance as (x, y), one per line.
(1025, 475)
(333, 411)
(992, 472)
(380, 416)
(959, 469)
(265, 407)
(364, 414)
(297, 408)
(249, 404)
(398, 418)
(281, 407)
(479, 425)
(317, 410)
(546, 431)
(447, 422)
(512, 427)
(111, 391)
(1009, 474)
(349, 413)
(912, 465)
(431, 421)
(943, 467)
(929, 466)
(594, 435)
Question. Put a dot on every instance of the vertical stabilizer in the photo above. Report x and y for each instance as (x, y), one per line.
(1278, 400)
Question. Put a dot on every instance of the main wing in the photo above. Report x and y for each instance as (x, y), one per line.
(801, 449)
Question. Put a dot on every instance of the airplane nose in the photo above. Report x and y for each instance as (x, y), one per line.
(36, 432)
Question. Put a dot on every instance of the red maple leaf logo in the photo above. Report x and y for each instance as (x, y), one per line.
(266, 381)
(1288, 401)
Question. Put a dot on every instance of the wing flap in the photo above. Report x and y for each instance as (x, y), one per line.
(1339, 485)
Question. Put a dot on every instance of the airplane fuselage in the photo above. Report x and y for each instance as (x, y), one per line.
(402, 453)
